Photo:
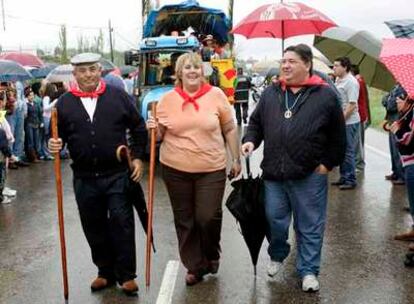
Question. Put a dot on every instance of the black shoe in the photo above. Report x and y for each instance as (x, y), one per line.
(245, 121)
(338, 183)
(13, 165)
(22, 163)
(347, 187)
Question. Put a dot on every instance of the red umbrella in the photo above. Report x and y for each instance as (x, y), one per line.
(398, 57)
(283, 20)
(24, 59)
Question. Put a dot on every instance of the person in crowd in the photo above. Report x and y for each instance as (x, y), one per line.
(5, 154)
(168, 73)
(93, 119)
(16, 122)
(33, 123)
(365, 116)
(129, 83)
(195, 123)
(390, 104)
(49, 101)
(207, 51)
(6, 140)
(241, 96)
(302, 128)
(348, 88)
(403, 129)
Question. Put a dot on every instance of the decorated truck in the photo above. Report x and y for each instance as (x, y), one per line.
(170, 31)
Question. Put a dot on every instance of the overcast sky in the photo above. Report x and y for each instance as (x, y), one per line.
(31, 24)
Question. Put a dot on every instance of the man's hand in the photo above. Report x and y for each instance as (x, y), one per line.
(55, 145)
(136, 170)
(321, 169)
(247, 149)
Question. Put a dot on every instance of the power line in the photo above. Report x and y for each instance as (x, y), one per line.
(54, 24)
(125, 40)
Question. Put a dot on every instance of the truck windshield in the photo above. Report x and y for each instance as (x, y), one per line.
(158, 68)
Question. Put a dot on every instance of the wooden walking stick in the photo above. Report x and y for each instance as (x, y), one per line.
(59, 193)
(150, 199)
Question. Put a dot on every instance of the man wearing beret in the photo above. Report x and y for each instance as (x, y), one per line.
(93, 119)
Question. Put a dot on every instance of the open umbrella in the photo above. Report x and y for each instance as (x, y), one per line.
(62, 73)
(12, 71)
(107, 65)
(245, 202)
(401, 28)
(24, 59)
(362, 48)
(44, 70)
(398, 57)
(283, 20)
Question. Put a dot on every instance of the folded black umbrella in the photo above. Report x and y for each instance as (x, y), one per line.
(246, 203)
(135, 194)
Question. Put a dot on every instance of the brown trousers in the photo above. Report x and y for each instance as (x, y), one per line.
(196, 200)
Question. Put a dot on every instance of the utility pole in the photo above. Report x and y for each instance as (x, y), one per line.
(110, 40)
(3, 15)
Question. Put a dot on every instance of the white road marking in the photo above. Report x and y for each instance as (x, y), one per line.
(168, 283)
(378, 151)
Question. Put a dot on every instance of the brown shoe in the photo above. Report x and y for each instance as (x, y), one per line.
(390, 177)
(406, 236)
(129, 287)
(411, 247)
(192, 279)
(101, 283)
(213, 266)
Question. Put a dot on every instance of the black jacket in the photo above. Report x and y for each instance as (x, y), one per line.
(294, 147)
(92, 145)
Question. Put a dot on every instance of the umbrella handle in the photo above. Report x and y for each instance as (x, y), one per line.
(247, 159)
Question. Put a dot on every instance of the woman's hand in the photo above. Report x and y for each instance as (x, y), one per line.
(55, 145)
(321, 169)
(395, 127)
(235, 169)
(152, 123)
(247, 149)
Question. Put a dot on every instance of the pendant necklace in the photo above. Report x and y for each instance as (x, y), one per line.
(288, 112)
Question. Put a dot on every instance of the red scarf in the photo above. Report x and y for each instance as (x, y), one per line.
(74, 89)
(314, 80)
(193, 99)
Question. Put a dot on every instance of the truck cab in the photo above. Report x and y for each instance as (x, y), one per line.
(157, 50)
(154, 58)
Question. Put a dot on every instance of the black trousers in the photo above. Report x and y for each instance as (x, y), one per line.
(196, 200)
(239, 107)
(108, 223)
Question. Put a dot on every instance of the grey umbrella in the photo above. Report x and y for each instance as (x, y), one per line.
(401, 28)
(12, 71)
(62, 73)
(362, 48)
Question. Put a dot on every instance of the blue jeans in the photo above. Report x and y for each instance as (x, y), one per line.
(306, 199)
(347, 168)
(396, 165)
(409, 181)
(16, 122)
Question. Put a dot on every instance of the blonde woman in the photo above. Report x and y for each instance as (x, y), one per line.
(195, 123)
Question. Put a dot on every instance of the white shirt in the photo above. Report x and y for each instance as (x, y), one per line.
(90, 105)
(348, 87)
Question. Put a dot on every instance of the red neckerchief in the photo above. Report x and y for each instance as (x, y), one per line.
(74, 89)
(193, 99)
(314, 80)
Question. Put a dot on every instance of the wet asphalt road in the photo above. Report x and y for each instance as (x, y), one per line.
(360, 264)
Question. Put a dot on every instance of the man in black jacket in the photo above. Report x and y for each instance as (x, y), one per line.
(302, 126)
(93, 120)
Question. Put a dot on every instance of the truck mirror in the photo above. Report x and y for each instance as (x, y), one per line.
(131, 58)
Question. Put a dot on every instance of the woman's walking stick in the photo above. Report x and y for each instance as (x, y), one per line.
(58, 175)
(150, 199)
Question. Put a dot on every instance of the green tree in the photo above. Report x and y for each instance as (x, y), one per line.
(63, 44)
